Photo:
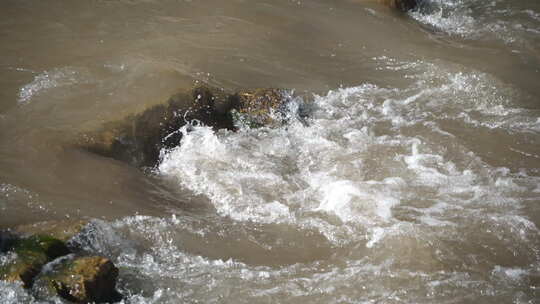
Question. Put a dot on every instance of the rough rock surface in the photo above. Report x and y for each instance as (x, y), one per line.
(31, 254)
(61, 230)
(85, 280)
(259, 107)
(139, 138)
(46, 261)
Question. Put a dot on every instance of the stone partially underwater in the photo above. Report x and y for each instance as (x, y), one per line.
(403, 5)
(139, 138)
(32, 254)
(45, 259)
(81, 279)
(400, 5)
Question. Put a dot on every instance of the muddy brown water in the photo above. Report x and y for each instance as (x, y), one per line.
(417, 179)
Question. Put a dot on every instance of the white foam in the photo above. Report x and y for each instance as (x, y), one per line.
(14, 293)
(337, 167)
(468, 19)
(514, 274)
(376, 235)
(7, 258)
(455, 23)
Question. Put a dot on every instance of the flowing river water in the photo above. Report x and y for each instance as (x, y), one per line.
(415, 178)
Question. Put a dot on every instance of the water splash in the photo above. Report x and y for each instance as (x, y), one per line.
(481, 20)
(59, 77)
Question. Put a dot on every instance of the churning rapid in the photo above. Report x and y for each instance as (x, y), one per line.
(408, 170)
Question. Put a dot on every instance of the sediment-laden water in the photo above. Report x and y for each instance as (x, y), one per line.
(415, 178)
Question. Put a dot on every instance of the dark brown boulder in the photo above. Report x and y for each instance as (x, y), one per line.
(403, 5)
(138, 139)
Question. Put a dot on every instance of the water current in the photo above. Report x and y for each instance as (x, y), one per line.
(414, 178)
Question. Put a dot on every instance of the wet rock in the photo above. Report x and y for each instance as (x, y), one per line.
(44, 263)
(84, 280)
(62, 230)
(6, 241)
(259, 107)
(31, 254)
(139, 138)
(403, 5)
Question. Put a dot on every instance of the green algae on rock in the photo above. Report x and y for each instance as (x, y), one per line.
(31, 254)
(83, 280)
(44, 263)
(62, 230)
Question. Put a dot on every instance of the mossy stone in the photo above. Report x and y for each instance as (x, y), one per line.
(85, 279)
(40, 243)
(32, 253)
(62, 230)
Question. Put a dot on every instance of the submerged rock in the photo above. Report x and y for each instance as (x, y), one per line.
(138, 139)
(62, 230)
(403, 5)
(6, 240)
(31, 254)
(46, 261)
(84, 280)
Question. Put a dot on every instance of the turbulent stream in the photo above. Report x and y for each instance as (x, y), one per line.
(415, 177)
